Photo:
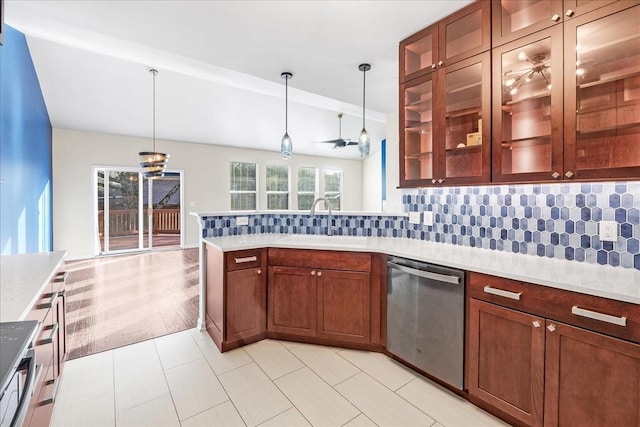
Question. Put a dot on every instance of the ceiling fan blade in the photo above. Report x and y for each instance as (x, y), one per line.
(333, 141)
(352, 143)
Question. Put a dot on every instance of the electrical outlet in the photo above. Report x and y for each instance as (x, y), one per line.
(414, 217)
(608, 231)
(242, 220)
(427, 219)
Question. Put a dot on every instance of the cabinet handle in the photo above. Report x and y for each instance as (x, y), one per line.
(440, 181)
(551, 327)
(555, 18)
(52, 335)
(570, 13)
(52, 398)
(536, 324)
(441, 63)
(620, 321)
(319, 273)
(433, 181)
(555, 175)
(503, 293)
(259, 271)
(313, 272)
(433, 66)
(246, 259)
(53, 296)
(569, 174)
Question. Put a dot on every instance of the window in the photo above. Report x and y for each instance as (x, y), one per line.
(277, 187)
(307, 187)
(333, 187)
(243, 184)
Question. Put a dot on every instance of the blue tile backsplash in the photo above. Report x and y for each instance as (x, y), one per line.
(549, 220)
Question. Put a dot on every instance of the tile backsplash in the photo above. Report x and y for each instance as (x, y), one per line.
(550, 220)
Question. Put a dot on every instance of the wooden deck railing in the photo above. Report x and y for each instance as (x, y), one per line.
(125, 222)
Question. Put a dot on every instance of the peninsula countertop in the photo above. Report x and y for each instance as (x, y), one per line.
(22, 280)
(622, 284)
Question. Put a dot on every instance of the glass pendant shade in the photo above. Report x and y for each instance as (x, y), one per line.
(286, 148)
(153, 163)
(364, 143)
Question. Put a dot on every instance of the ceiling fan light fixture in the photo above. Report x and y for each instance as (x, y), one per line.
(153, 163)
(286, 146)
(364, 141)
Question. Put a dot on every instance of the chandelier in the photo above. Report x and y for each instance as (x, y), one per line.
(538, 68)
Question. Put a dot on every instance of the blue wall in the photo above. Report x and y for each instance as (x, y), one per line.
(25, 152)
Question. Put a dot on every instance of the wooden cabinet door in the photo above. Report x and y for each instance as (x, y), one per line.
(602, 93)
(419, 54)
(513, 19)
(506, 360)
(590, 379)
(344, 305)
(292, 300)
(573, 8)
(246, 304)
(465, 33)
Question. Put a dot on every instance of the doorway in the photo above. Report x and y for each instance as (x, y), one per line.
(133, 213)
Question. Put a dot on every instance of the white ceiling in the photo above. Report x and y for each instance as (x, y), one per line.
(219, 66)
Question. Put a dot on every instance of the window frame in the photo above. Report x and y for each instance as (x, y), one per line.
(254, 192)
(268, 192)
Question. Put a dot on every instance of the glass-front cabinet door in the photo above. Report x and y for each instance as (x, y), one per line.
(602, 84)
(417, 127)
(513, 19)
(467, 104)
(465, 33)
(527, 108)
(418, 54)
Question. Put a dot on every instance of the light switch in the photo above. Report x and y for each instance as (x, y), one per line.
(242, 220)
(427, 218)
(414, 217)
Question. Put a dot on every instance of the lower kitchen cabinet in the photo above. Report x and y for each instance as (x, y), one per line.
(292, 301)
(245, 304)
(538, 371)
(590, 379)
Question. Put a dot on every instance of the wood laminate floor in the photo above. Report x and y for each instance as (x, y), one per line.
(120, 300)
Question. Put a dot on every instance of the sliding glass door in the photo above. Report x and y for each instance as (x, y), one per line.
(134, 213)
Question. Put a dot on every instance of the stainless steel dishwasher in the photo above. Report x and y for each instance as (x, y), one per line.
(425, 317)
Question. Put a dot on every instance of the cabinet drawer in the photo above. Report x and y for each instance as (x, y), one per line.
(328, 260)
(586, 311)
(239, 260)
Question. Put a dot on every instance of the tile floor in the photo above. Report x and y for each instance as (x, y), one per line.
(183, 380)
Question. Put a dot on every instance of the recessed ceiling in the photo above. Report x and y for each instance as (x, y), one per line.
(220, 65)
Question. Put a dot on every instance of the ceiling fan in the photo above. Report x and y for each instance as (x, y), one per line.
(340, 142)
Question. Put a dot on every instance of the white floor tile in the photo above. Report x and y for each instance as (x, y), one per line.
(274, 359)
(325, 362)
(361, 421)
(134, 351)
(381, 405)
(389, 372)
(87, 376)
(315, 399)
(194, 388)
(223, 362)
(255, 396)
(139, 381)
(177, 349)
(223, 415)
(289, 344)
(446, 407)
(159, 412)
(91, 410)
(289, 418)
(199, 335)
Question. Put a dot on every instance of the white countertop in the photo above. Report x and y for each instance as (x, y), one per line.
(22, 280)
(293, 212)
(622, 284)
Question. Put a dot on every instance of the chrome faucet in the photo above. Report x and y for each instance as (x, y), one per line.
(327, 203)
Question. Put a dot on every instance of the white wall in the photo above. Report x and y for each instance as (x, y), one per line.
(206, 179)
(372, 183)
(394, 195)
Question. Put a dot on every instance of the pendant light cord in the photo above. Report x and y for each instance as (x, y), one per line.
(286, 105)
(364, 80)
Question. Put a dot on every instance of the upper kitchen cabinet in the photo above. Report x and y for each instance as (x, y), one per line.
(441, 137)
(513, 19)
(602, 93)
(527, 108)
(458, 36)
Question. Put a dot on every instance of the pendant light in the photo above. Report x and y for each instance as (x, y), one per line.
(153, 163)
(364, 142)
(286, 147)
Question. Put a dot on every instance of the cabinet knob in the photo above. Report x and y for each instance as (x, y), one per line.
(259, 271)
(569, 174)
(433, 66)
(551, 327)
(313, 272)
(555, 175)
(319, 273)
(441, 63)
(555, 18)
(536, 324)
(440, 181)
(433, 181)
(570, 13)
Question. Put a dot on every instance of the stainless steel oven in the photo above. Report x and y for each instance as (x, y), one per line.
(18, 370)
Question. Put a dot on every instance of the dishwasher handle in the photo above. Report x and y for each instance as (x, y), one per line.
(455, 280)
